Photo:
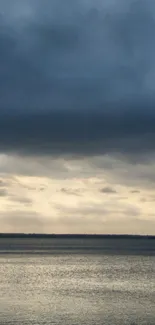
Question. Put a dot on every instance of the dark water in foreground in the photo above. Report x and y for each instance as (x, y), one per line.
(74, 286)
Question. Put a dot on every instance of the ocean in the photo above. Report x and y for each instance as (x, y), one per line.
(77, 282)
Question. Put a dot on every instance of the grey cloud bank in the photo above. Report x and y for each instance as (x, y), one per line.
(77, 77)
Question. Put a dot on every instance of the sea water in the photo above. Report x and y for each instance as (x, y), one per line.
(89, 288)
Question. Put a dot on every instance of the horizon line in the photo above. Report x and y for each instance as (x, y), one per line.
(73, 235)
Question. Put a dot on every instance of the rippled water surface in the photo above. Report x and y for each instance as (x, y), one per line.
(77, 289)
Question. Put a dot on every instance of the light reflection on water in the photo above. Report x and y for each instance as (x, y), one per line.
(77, 289)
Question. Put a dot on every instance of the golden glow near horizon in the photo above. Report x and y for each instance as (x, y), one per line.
(96, 195)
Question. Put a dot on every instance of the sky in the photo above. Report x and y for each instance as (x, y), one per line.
(77, 116)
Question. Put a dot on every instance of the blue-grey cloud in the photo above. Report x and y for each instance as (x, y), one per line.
(77, 77)
(108, 190)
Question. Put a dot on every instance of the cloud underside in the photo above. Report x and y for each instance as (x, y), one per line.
(79, 133)
(77, 79)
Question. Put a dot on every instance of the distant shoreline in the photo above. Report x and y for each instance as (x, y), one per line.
(76, 236)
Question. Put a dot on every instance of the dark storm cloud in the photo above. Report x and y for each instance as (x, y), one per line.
(77, 78)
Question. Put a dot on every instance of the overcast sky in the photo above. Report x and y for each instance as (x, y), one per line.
(77, 116)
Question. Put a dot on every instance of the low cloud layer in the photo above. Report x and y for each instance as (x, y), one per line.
(77, 78)
(95, 195)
